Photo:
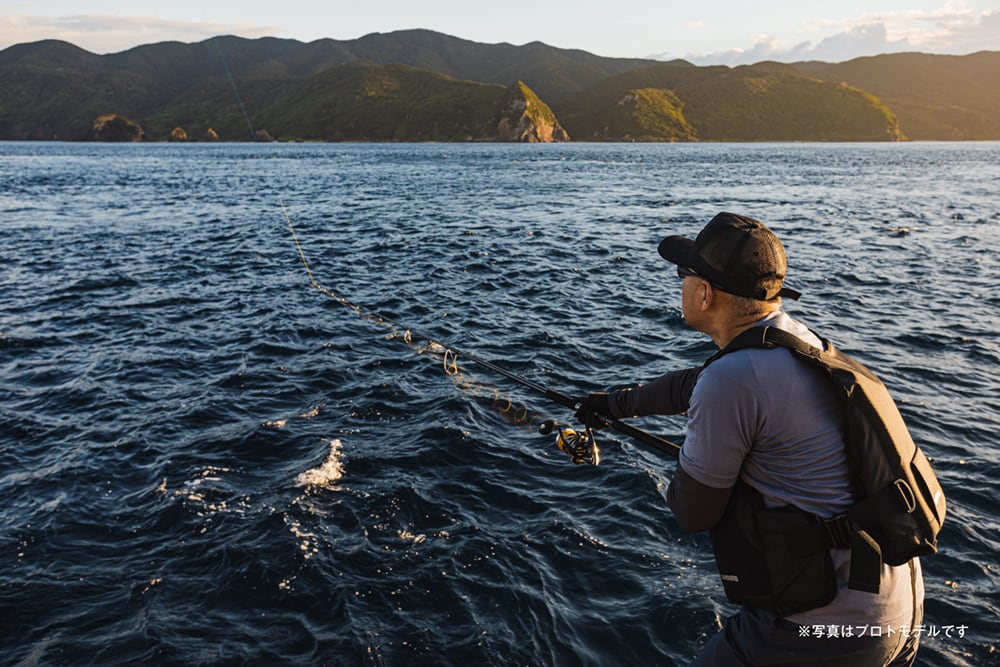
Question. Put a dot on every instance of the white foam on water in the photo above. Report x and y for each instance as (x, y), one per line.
(327, 473)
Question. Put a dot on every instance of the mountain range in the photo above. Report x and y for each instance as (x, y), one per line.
(422, 85)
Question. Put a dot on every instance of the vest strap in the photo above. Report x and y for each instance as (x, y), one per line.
(841, 532)
(866, 563)
(820, 536)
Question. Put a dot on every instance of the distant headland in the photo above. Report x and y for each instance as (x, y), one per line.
(419, 85)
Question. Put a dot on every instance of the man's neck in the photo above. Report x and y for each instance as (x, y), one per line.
(733, 327)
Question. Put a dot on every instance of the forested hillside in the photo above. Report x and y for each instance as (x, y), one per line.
(419, 85)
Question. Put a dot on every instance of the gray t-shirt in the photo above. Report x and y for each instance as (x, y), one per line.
(766, 417)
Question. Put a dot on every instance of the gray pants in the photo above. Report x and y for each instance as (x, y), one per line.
(757, 637)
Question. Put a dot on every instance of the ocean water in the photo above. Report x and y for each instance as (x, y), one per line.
(205, 460)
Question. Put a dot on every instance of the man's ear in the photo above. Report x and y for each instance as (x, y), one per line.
(707, 295)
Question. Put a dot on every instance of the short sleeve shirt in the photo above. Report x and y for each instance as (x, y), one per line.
(766, 416)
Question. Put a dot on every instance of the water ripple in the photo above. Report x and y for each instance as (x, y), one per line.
(205, 461)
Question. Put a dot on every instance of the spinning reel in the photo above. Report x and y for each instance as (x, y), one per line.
(580, 445)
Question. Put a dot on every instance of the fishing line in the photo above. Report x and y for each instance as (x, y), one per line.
(246, 116)
(517, 414)
(580, 446)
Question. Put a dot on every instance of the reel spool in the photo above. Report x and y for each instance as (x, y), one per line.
(581, 446)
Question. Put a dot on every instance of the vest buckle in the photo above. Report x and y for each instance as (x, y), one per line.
(839, 531)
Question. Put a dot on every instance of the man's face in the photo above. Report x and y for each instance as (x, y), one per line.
(693, 294)
(689, 285)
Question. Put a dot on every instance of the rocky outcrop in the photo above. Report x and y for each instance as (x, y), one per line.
(646, 114)
(178, 134)
(112, 127)
(524, 117)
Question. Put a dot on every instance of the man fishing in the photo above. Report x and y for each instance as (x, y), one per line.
(764, 457)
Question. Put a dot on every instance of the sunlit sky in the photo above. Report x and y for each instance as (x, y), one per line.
(712, 32)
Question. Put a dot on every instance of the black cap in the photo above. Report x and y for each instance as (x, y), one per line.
(736, 254)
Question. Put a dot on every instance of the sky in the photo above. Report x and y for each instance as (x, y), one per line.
(711, 32)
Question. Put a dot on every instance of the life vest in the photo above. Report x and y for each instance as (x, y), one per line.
(779, 558)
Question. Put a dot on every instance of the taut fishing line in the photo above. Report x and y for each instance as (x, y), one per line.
(580, 446)
(236, 91)
(514, 413)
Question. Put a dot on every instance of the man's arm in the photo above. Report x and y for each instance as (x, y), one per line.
(669, 394)
(698, 507)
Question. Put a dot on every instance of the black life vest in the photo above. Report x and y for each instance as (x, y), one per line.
(779, 558)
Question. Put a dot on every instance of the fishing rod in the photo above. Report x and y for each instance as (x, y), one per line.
(581, 446)
(661, 445)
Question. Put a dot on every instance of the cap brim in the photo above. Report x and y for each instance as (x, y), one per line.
(789, 293)
(676, 249)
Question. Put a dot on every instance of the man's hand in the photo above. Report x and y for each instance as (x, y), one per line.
(594, 410)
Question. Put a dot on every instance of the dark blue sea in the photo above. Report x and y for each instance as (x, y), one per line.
(206, 460)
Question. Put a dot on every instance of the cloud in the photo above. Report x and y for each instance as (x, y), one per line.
(104, 33)
(861, 40)
(962, 34)
(765, 48)
(951, 29)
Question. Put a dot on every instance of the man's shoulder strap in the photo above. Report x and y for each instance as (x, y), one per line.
(769, 337)
(844, 370)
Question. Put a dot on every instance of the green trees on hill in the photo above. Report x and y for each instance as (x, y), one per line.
(423, 86)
